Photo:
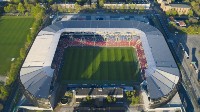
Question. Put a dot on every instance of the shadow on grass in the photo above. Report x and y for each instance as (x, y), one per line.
(90, 65)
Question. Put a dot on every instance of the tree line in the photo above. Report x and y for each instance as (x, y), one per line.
(173, 12)
(23, 8)
(191, 29)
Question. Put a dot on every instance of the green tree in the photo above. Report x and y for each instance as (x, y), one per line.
(190, 13)
(174, 12)
(123, 7)
(168, 13)
(112, 8)
(4, 92)
(77, 7)
(132, 6)
(114, 99)
(88, 98)
(54, 7)
(60, 8)
(17, 1)
(25, 1)
(187, 22)
(135, 100)
(101, 3)
(193, 3)
(21, 8)
(142, 8)
(7, 8)
(22, 53)
(28, 7)
(10, 8)
(37, 11)
(109, 99)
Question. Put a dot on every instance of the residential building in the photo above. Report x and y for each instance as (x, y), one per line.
(180, 8)
(166, 5)
(136, 3)
(166, 1)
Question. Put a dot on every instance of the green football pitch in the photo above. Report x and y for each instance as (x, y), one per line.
(100, 65)
(13, 32)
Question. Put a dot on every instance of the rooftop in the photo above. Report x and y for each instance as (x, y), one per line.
(181, 23)
(180, 5)
(99, 91)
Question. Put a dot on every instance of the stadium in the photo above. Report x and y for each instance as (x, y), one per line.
(137, 47)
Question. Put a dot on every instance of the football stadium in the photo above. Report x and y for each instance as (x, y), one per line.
(98, 52)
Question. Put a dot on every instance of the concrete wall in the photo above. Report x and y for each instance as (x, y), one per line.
(94, 96)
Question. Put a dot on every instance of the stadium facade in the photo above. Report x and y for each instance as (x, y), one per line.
(37, 78)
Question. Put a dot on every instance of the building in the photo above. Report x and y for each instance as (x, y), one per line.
(37, 76)
(182, 23)
(138, 4)
(98, 92)
(180, 8)
(165, 1)
(4, 0)
(166, 5)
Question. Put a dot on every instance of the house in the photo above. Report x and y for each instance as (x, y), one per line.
(181, 23)
(180, 8)
(166, 5)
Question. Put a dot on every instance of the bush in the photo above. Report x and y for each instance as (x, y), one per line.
(88, 98)
(111, 99)
(132, 98)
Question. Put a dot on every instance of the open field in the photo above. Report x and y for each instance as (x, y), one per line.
(100, 65)
(13, 32)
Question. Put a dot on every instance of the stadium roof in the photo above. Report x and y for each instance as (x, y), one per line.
(162, 72)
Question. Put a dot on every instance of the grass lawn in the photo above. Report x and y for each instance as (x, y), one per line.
(100, 65)
(13, 32)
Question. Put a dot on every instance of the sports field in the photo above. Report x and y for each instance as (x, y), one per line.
(13, 32)
(100, 65)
